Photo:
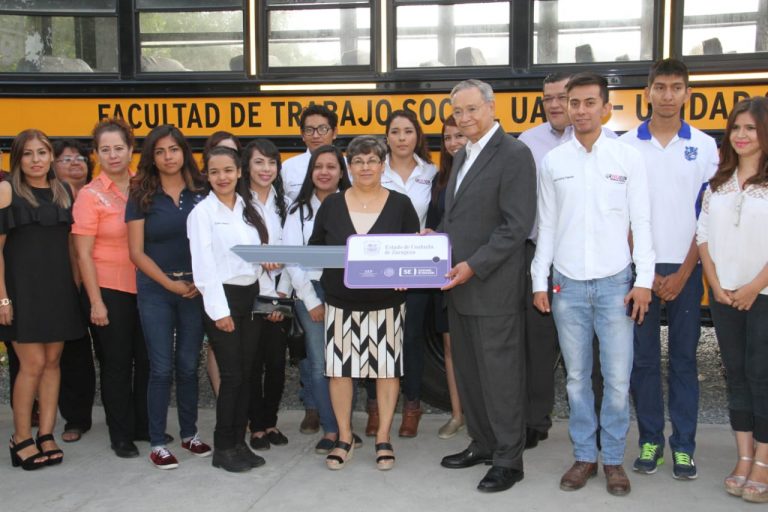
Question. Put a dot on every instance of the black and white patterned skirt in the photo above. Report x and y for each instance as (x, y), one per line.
(364, 344)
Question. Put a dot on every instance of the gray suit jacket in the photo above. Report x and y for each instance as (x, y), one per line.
(488, 220)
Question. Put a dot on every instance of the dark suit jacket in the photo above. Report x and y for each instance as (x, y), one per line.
(488, 221)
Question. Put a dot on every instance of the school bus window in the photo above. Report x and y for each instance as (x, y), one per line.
(582, 31)
(57, 44)
(191, 41)
(714, 28)
(332, 33)
(59, 6)
(461, 34)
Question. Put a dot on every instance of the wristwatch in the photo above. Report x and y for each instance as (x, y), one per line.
(5, 302)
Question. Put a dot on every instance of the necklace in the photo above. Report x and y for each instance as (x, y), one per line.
(365, 204)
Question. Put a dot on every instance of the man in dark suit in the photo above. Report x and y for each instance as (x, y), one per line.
(489, 211)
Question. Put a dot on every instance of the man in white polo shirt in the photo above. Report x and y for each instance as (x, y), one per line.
(592, 190)
(680, 160)
(318, 126)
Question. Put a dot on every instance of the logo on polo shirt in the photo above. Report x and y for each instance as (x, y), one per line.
(691, 152)
(618, 178)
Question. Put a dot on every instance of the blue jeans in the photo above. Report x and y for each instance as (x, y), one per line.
(683, 315)
(163, 315)
(316, 386)
(582, 309)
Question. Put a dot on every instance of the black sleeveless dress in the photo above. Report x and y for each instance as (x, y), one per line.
(38, 273)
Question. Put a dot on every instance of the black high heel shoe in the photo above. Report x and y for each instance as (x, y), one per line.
(52, 461)
(30, 463)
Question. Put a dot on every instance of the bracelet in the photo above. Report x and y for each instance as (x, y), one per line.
(5, 302)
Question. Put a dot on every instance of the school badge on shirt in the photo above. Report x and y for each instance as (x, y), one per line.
(691, 152)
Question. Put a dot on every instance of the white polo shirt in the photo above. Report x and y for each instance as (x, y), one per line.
(587, 203)
(418, 186)
(293, 172)
(677, 175)
(541, 140)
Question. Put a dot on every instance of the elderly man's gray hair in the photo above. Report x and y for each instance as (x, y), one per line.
(485, 89)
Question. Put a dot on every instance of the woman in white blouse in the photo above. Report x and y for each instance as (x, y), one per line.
(261, 176)
(229, 286)
(734, 253)
(326, 174)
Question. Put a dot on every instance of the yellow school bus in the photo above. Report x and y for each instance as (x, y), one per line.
(251, 66)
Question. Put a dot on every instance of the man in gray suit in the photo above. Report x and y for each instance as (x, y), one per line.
(489, 211)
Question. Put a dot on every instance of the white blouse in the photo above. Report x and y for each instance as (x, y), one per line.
(732, 224)
(296, 232)
(274, 225)
(213, 229)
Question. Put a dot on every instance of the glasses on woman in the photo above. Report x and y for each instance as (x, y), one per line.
(67, 160)
(360, 162)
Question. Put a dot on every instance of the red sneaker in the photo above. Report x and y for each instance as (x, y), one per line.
(163, 459)
(197, 447)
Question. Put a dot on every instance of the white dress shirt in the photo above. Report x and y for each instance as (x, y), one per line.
(213, 229)
(541, 140)
(587, 202)
(418, 186)
(732, 224)
(294, 234)
(293, 172)
(677, 175)
(274, 224)
(473, 150)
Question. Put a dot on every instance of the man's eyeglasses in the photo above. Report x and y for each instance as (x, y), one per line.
(323, 129)
(71, 159)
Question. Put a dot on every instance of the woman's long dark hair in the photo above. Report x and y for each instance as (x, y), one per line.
(19, 181)
(729, 160)
(446, 162)
(146, 183)
(304, 199)
(251, 214)
(421, 148)
(267, 148)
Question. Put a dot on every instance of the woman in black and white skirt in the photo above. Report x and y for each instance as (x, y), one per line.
(364, 332)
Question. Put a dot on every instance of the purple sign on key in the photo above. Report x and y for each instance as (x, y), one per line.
(397, 261)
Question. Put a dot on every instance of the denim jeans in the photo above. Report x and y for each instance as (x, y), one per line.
(582, 309)
(316, 385)
(684, 316)
(173, 330)
(743, 340)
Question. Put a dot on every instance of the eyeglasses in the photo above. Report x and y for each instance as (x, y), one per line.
(471, 111)
(309, 131)
(67, 160)
(371, 162)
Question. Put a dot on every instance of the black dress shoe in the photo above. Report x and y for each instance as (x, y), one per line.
(499, 479)
(533, 436)
(231, 459)
(125, 449)
(466, 459)
(248, 455)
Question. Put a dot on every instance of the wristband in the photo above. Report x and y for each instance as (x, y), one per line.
(5, 302)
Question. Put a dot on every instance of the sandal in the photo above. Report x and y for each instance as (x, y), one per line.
(55, 456)
(734, 484)
(336, 461)
(34, 461)
(72, 434)
(753, 491)
(387, 461)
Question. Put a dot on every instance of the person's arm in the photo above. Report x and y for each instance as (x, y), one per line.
(745, 296)
(6, 311)
(707, 263)
(199, 226)
(148, 266)
(546, 211)
(84, 250)
(670, 286)
(642, 247)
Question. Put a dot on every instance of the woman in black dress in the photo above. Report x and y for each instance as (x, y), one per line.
(36, 280)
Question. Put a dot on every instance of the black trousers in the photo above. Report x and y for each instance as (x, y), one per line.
(235, 353)
(124, 367)
(488, 355)
(541, 348)
(268, 376)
